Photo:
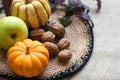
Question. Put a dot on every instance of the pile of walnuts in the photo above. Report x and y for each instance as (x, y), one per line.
(54, 40)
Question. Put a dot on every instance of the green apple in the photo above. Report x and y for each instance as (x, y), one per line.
(12, 29)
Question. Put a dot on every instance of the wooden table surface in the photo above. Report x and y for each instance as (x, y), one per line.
(104, 64)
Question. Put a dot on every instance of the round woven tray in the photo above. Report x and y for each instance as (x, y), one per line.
(80, 35)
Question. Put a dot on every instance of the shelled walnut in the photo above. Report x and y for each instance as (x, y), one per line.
(36, 34)
(52, 48)
(64, 43)
(64, 55)
(48, 37)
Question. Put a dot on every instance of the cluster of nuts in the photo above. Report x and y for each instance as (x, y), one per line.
(53, 40)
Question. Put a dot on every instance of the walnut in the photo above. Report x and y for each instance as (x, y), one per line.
(36, 34)
(64, 55)
(58, 30)
(52, 48)
(48, 37)
(64, 43)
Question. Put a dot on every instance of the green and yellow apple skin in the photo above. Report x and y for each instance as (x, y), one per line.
(12, 29)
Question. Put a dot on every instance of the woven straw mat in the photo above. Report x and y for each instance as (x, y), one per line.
(81, 44)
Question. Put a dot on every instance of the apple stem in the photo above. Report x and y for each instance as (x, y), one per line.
(28, 1)
(27, 50)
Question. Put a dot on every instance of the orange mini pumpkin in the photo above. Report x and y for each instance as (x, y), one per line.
(28, 58)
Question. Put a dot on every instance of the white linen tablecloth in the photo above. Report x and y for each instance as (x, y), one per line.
(104, 63)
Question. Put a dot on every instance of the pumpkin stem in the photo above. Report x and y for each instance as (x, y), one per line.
(27, 50)
(28, 1)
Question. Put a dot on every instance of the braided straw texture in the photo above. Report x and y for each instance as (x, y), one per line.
(81, 39)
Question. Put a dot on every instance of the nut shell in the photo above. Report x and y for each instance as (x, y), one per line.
(58, 30)
(52, 48)
(48, 37)
(64, 55)
(64, 43)
(36, 34)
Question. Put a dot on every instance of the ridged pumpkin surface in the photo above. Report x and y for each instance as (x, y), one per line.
(28, 58)
(35, 13)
